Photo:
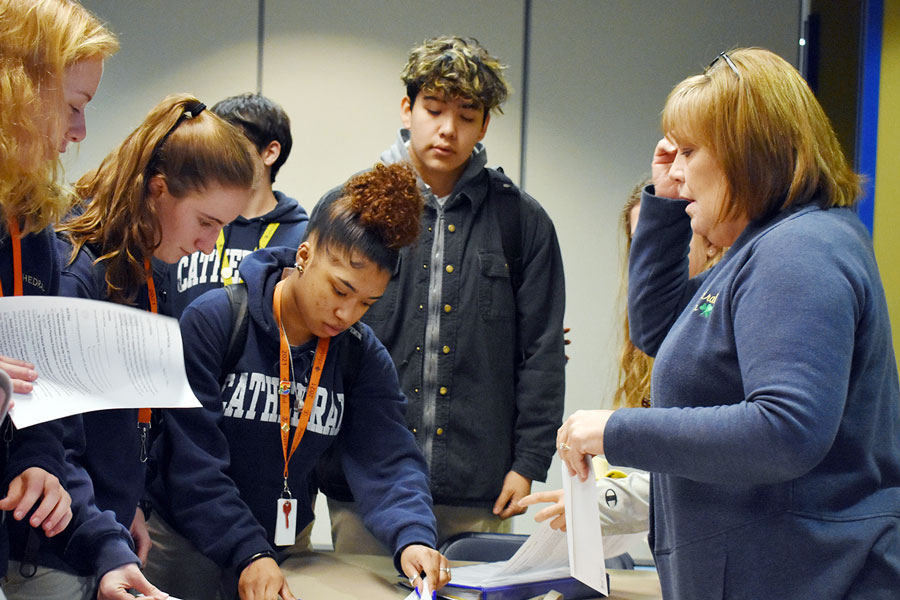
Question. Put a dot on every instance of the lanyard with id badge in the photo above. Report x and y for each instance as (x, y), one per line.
(286, 505)
(15, 237)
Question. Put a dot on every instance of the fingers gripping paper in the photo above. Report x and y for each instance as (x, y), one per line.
(91, 355)
(584, 537)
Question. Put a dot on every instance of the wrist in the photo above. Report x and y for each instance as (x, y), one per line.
(146, 507)
(255, 557)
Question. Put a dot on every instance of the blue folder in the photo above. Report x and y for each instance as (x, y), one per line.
(569, 587)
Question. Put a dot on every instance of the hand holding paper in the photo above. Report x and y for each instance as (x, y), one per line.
(583, 533)
(92, 355)
(581, 437)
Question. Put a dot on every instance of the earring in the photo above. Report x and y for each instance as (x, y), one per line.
(299, 268)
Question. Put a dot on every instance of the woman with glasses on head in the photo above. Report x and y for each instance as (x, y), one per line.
(774, 431)
(165, 192)
(51, 60)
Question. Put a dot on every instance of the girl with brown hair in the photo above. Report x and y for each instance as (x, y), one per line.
(166, 191)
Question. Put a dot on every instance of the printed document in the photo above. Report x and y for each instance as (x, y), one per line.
(92, 355)
(586, 557)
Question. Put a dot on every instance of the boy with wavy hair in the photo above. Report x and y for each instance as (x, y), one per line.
(473, 315)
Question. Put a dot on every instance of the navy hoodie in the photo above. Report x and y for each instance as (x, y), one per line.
(38, 445)
(220, 467)
(105, 473)
(197, 273)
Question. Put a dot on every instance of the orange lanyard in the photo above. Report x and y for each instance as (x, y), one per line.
(284, 386)
(144, 414)
(15, 238)
(151, 287)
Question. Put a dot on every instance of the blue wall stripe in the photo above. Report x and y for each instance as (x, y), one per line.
(867, 118)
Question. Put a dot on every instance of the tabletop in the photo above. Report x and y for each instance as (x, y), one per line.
(331, 576)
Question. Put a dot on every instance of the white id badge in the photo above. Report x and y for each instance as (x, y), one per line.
(286, 522)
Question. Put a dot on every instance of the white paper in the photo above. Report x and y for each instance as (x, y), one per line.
(425, 593)
(542, 556)
(92, 355)
(586, 558)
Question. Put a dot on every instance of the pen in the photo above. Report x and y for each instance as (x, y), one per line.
(425, 593)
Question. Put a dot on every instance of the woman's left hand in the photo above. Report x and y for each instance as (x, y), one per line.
(417, 558)
(35, 487)
(581, 437)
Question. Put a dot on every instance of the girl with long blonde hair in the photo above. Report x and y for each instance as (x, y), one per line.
(51, 60)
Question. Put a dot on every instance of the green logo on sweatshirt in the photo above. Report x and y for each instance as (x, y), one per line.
(706, 305)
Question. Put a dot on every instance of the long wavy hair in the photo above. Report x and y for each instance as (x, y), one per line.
(635, 367)
(39, 39)
(190, 149)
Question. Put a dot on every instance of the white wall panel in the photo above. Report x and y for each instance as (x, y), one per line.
(206, 47)
(335, 67)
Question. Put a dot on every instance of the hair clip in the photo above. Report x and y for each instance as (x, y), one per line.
(193, 109)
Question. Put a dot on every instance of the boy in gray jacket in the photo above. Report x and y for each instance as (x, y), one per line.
(473, 315)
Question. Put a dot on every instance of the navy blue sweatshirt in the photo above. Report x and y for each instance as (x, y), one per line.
(38, 445)
(774, 433)
(220, 467)
(193, 275)
(104, 468)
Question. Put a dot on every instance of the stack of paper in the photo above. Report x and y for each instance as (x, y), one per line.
(92, 355)
(572, 564)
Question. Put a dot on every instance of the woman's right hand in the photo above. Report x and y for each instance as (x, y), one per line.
(660, 169)
(263, 580)
(22, 374)
(556, 511)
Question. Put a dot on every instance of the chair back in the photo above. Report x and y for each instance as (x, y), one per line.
(480, 546)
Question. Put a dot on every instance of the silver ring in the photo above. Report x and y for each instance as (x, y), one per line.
(446, 570)
(564, 446)
(412, 580)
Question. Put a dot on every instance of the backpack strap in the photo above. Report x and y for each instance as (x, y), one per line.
(507, 202)
(352, 356)
(240, 323)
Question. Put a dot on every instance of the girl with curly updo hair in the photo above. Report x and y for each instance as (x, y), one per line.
(296, 376)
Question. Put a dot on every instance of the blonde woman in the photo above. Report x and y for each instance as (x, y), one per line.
(774, 435)
(51, 60)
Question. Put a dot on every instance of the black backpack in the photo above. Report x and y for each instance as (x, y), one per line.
(507, 205)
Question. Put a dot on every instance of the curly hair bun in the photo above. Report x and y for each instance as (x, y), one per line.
(388, 201)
